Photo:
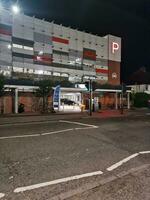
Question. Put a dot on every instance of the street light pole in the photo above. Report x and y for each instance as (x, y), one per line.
(91, 95)
(122, 99)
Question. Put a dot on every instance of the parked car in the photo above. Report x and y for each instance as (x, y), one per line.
(68, 102)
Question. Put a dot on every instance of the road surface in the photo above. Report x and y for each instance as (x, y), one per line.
(75, 158)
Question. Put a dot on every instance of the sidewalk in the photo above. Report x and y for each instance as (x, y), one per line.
(37, 117)
(27, 118)
(111, 113)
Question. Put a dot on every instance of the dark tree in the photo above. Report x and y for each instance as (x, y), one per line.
(45, 90)
(65, 83)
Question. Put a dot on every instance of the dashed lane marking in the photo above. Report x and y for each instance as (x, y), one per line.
(63, 180)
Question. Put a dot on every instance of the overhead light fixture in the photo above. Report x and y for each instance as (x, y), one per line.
(40, 71)
(9, 46)
(40, 52)
(15, 9)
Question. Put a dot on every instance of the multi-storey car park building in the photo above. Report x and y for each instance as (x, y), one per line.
(35, 48)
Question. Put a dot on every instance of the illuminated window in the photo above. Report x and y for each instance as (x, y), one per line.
(56, 74)
(17, 69)
(28, 48)
(18, 46)
(22, 47)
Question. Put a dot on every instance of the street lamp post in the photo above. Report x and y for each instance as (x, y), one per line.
(122, 93)
(91, 96)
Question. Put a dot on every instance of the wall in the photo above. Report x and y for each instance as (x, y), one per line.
(114, 73)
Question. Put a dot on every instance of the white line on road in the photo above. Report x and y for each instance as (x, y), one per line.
(2, 195)
(76, 177)
(63, 180)
(88, 126)
(144, 152)
(54, 132)
(118, 164)
(78, 123)
(85, 128)
(35, 135)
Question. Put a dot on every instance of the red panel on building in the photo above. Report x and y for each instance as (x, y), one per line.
(60, 40)
(44, 59)
(102, 71)
(89, 54)
(114, 73)
(5, 32)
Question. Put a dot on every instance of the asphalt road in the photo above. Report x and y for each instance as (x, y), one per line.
(48, 155)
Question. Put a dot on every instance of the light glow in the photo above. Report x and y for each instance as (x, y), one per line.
(15, 9)
(41, 53)
(40, 71)
(28, 48)
(17, 46)
(9, 46)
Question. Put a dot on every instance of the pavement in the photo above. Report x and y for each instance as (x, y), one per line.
(134, 185)
(29, 117)
(75, 157)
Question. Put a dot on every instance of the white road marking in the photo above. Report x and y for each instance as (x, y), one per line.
(144, 152)
(85, 128)
(2, 195)
(88, 126)
(54, 132)
(118, 164)
(62, 180)
(35, 135)
(76, 177)
(78, 123)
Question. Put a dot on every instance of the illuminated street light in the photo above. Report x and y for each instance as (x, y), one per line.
(15, 9)
(9, 46)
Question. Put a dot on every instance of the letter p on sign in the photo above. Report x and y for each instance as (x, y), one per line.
(115, 47)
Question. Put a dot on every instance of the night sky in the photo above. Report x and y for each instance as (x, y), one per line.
(129, 19)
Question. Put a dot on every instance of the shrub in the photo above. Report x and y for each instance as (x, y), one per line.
(141, 100)
(21, 108)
